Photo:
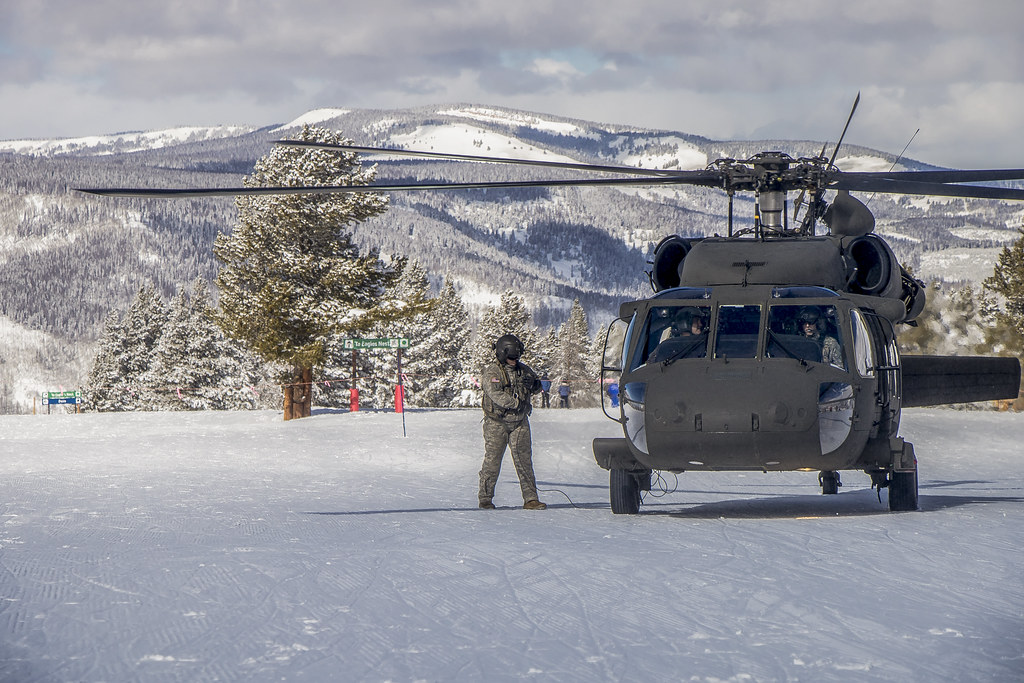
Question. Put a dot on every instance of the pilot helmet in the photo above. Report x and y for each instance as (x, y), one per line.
(508, 347)
(810, 315)
(685, 317)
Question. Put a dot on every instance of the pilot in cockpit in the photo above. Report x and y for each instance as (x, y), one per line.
(687, 322)
(812, 326)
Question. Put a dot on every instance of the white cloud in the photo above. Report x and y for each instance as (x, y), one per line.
(718, 68)
(553, 68)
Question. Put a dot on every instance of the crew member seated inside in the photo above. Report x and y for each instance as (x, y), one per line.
(807, 333)
(678, 332)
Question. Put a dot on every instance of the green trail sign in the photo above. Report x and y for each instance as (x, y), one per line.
(61, 397)
(382, 343)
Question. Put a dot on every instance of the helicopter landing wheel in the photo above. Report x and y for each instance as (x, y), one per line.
(903, 491)
(829, 482)
(624, 491)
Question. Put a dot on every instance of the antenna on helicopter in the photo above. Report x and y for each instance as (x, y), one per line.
(896, 161)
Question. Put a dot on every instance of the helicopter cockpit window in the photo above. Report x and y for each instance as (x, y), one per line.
(808, 333)
(673, 333)
(738, 328)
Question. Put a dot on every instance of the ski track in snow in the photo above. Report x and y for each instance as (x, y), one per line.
(238, 547)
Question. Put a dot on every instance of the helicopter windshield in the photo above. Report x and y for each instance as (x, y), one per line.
(674, 332)
(808, 333)
(738, 330)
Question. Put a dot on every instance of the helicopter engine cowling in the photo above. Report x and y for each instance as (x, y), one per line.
(667, 262)
(848, 216)
(877, 272)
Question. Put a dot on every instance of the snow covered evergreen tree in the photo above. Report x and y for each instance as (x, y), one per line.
(195, 366)
(597, 350)
(547, 351)
(291, 277)
(573, 362)
(116, 381)
(508, 317)
(104, 390)
(436, 362)
(1007, 281)
(171, 358)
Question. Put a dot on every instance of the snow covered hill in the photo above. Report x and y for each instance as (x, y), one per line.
(238, 547)
(121, 143)
(66, 259)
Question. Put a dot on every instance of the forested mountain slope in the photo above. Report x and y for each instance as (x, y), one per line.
(66, 259)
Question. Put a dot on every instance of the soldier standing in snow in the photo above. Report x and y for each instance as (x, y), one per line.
(507, 388)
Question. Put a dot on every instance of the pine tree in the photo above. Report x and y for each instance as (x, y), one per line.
(597, 351)
(195, 367)
(573, 362)
(436, 362)
(126, 352)
(547, 351)
(292, 279)
(104, 389)
(926, 336)
(508, 317)
(409, 297)
(1007, 281)
(171, 358)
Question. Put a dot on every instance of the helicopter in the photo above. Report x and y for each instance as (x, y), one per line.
(772, 347)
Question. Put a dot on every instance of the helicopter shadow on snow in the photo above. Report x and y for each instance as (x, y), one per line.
(856, 503)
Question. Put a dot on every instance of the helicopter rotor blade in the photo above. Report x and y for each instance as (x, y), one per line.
(308, 144)
(950, 176)
(706, 178)
(849, 181)
(842, 135)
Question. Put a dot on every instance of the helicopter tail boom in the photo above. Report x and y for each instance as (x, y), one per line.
(940, 380)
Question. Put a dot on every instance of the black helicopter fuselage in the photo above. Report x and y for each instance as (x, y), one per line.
(777, 354)
(752, 391)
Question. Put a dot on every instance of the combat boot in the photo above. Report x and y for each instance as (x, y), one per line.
(534, 505)
(486, 505)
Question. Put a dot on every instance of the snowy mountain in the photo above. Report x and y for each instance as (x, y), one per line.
(238, 547)
(66, 259)
(120, 143)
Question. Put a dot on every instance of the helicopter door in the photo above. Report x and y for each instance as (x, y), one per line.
(615, 343)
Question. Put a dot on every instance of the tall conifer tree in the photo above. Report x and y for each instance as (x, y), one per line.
(573, 361)
(437, 361)
(291, 277)
(508, 317)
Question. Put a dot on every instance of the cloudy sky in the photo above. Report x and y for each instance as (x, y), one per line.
(719, 68)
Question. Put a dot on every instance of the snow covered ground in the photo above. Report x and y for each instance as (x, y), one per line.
(238, 547)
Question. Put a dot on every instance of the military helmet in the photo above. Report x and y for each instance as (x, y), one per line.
(811, 315)
(508, 347)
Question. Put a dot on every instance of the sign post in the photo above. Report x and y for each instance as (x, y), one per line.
(61, 398)
(396, 343)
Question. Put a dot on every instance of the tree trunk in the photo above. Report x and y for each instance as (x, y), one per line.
(298, 394)
(307, 389)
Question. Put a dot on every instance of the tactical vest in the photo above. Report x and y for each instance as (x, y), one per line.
(488, 405)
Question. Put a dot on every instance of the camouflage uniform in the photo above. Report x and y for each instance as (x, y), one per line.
(506, 401)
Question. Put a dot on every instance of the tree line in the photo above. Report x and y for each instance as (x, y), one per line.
(174, 355)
